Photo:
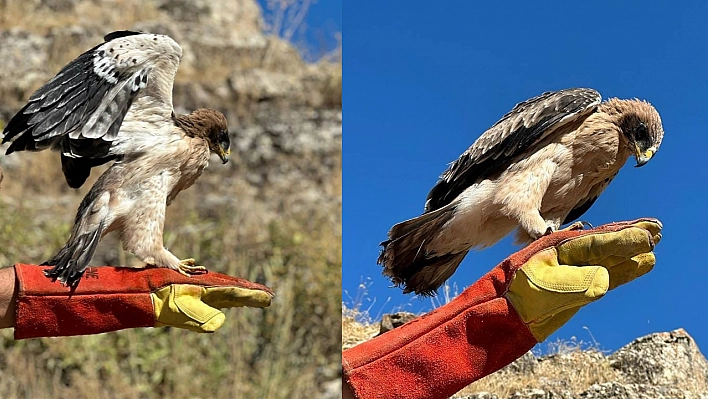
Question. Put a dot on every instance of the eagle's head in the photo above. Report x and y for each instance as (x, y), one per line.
(210, 125)
(641, 125)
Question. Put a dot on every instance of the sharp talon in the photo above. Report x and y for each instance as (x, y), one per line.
(579, 225)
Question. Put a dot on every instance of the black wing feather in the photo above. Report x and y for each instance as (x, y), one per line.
(120, 33)
(579, 210)
(513, 134)
(57, 111)
(80, 110)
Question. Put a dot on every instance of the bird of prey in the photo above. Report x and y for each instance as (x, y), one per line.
(542, 165)
(114, 103)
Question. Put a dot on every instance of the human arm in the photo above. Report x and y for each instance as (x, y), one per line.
(501, 316)
(8, 295)
(114, 298)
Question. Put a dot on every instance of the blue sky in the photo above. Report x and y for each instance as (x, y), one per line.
(320, 31)
(422, 80)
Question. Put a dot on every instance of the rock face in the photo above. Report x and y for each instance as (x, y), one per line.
(284, 114)
(391, 321)
(670, 359)
(661, 365)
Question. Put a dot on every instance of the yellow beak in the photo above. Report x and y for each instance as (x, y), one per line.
(224, 155)
(643, 158)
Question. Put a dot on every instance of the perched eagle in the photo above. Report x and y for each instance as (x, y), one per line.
(540, 166)
(114, 103)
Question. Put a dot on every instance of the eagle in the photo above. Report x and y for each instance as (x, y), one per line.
(541, 166)
(114, 104)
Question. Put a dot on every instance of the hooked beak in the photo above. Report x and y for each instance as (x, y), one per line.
(644, 157)
(224, 154)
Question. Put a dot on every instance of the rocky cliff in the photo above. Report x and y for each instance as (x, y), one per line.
(658, 366)
(284, 114)
(661, 365)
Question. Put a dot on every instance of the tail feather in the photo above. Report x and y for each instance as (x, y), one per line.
(406, 260)
(427, 275)
(73, 259)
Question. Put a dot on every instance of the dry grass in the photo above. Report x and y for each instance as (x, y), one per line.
(285, 351)
(573, 371)
(277, 352)
(567, 366)
(355, 328)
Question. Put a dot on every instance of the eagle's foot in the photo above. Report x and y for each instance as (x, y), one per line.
(187, 267)
(578, 225)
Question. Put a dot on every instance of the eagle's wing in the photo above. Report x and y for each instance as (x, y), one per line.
(526, 124)
(584, 204)
(81, 109)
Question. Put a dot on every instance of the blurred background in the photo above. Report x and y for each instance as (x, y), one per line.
(272, 214)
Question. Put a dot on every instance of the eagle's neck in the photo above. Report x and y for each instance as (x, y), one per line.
(189, 125)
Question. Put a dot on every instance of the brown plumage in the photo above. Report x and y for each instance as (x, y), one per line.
(539, 167)
(114, 103)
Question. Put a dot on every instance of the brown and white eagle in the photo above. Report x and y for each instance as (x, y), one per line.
(542, 165)
(114, 103)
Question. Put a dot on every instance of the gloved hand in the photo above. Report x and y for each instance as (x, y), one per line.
(557, 281)
(114, 298)
(504, 314)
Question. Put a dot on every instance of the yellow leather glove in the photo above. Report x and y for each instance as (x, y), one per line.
(196, 308)
(557, 281)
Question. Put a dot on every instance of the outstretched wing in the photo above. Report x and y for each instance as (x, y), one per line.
(81, 109)
(528, 123)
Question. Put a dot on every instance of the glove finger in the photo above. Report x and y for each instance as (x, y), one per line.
(635, 222)
(605, 248)
(202, 316)
(631, 269)
(228, 297)
(653, 227)
(243, 283)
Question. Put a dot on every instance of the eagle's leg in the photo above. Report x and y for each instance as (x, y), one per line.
(535, 225)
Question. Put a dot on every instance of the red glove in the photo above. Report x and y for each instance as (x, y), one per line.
(114, 298)
(502, 315)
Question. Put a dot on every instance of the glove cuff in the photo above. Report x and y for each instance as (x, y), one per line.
(48, 309)
(476, 334)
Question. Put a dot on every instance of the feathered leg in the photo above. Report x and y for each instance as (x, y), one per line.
(142, 233)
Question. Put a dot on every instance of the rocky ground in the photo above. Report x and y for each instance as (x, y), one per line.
(657, 366)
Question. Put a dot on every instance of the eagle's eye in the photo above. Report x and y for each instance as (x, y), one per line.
(642, 130)
(223, 135)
